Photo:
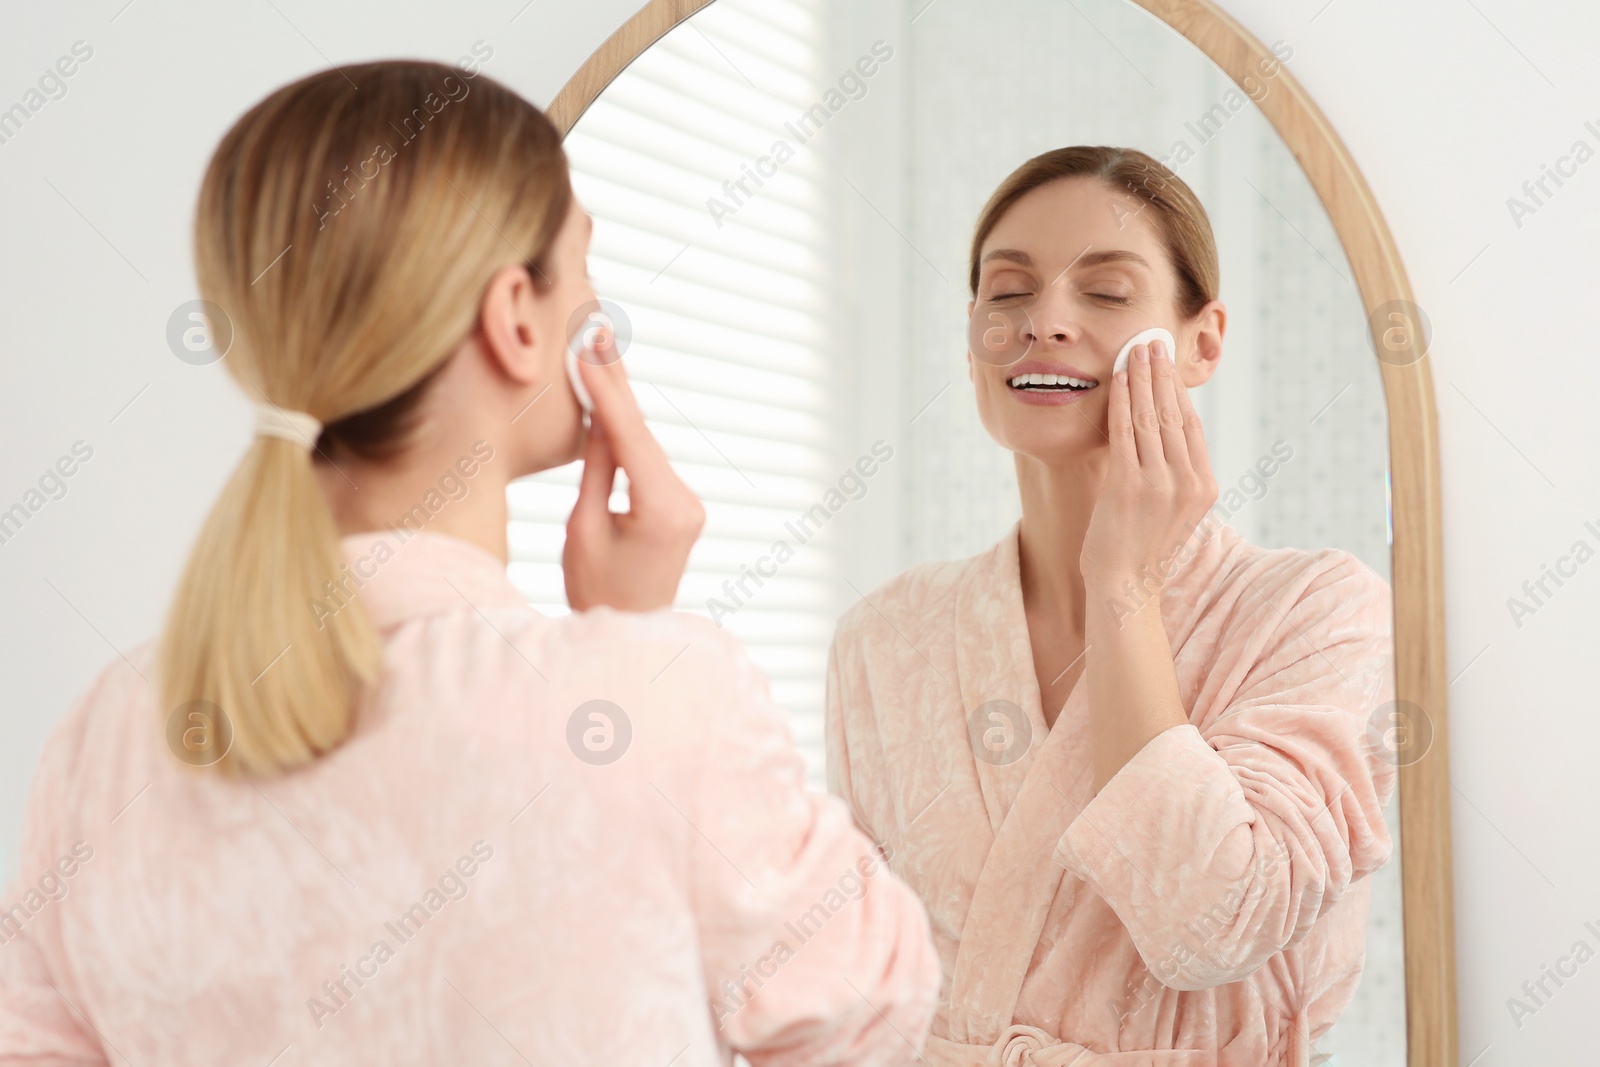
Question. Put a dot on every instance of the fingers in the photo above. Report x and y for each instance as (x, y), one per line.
(598, 477)
(1142, 409)
(1119, 423)
(1199, 458)
(657, 497)
(1169, 415)
(617, 411)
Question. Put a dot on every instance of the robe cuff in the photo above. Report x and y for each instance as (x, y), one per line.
(1174, 795)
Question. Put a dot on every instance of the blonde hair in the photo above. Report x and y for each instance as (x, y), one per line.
(1179, 217)
(347, 226)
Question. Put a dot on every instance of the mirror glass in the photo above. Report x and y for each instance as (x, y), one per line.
(784, 194)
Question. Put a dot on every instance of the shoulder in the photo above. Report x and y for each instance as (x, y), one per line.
(1337, 575)
(696, 702)
(1298, 575)
(103, 732)
(121, 690)
(1291, 601)
(664, 650)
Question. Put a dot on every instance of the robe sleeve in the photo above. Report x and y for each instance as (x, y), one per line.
(37, 1025)
(815, 952)
(41, 1023)
(1219, 844)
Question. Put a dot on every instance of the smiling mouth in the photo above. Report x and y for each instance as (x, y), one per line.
(1050, 383)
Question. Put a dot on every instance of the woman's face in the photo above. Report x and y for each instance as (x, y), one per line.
(1071, 271)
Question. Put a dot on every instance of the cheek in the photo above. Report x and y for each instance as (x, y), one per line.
(984, 380)
(571, 301)
(992, 403)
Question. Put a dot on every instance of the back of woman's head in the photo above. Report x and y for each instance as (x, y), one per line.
(1174, 211)
(347, 227)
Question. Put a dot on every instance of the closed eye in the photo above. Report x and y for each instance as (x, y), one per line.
(1110, 297)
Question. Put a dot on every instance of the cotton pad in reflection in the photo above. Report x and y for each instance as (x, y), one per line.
(1144, 337)
(584, 399)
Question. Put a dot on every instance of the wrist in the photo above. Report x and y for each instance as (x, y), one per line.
(1122, 581)
(1121, 597)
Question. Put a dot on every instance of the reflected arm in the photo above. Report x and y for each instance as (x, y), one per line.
(1220, 842)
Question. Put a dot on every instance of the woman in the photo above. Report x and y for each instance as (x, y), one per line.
(1120, 754)
(424, 824)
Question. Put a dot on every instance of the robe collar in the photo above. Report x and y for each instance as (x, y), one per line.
(994, 656)
(1032, 800)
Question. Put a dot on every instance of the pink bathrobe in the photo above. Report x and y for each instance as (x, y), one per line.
(467, 880)
(1209, 903)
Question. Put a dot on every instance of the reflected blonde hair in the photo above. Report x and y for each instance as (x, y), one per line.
(347, 226)
(1177, 214)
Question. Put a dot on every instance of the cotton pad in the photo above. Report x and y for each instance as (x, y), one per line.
(584, 399)
(1144, 337)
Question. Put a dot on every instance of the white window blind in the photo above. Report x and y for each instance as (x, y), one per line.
(730, 355)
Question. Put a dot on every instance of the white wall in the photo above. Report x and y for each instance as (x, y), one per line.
(1448, 108)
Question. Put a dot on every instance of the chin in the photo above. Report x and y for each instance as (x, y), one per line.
(1058, 453)
(1050, 441)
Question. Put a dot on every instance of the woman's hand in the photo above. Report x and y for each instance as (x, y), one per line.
(632, 561)
(1158, 482)
(1158, 487)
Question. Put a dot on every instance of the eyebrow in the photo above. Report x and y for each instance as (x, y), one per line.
(1087, 259)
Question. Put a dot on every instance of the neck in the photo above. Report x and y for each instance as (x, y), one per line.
(459, 491)
(1057, 501)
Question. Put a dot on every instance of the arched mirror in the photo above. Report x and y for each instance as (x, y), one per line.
(785, 194)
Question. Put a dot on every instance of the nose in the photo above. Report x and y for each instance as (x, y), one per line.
(1051, 318)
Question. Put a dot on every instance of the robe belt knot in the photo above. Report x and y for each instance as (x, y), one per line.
(1017, 1045)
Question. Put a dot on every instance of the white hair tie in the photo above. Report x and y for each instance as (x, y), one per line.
(296, 426)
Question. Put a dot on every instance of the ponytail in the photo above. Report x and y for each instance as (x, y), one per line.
(240, 634)
(319, 228)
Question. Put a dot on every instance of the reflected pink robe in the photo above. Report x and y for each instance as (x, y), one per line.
(1210, 902)
(687, 899)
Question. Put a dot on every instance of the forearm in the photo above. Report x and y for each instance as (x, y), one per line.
(1132, 687)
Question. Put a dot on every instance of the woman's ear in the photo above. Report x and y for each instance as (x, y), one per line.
(510, 326)
(1202, 347)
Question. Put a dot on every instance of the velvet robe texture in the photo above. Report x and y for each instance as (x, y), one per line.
(563, 841)
(1209, 905)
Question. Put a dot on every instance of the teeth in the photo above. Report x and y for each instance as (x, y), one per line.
(1022, 380)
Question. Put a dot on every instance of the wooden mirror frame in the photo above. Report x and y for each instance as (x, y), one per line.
(1416, 555)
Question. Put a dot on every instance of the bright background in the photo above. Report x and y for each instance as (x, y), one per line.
(1448, 108)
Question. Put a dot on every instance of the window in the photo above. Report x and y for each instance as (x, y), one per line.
(713, 250)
